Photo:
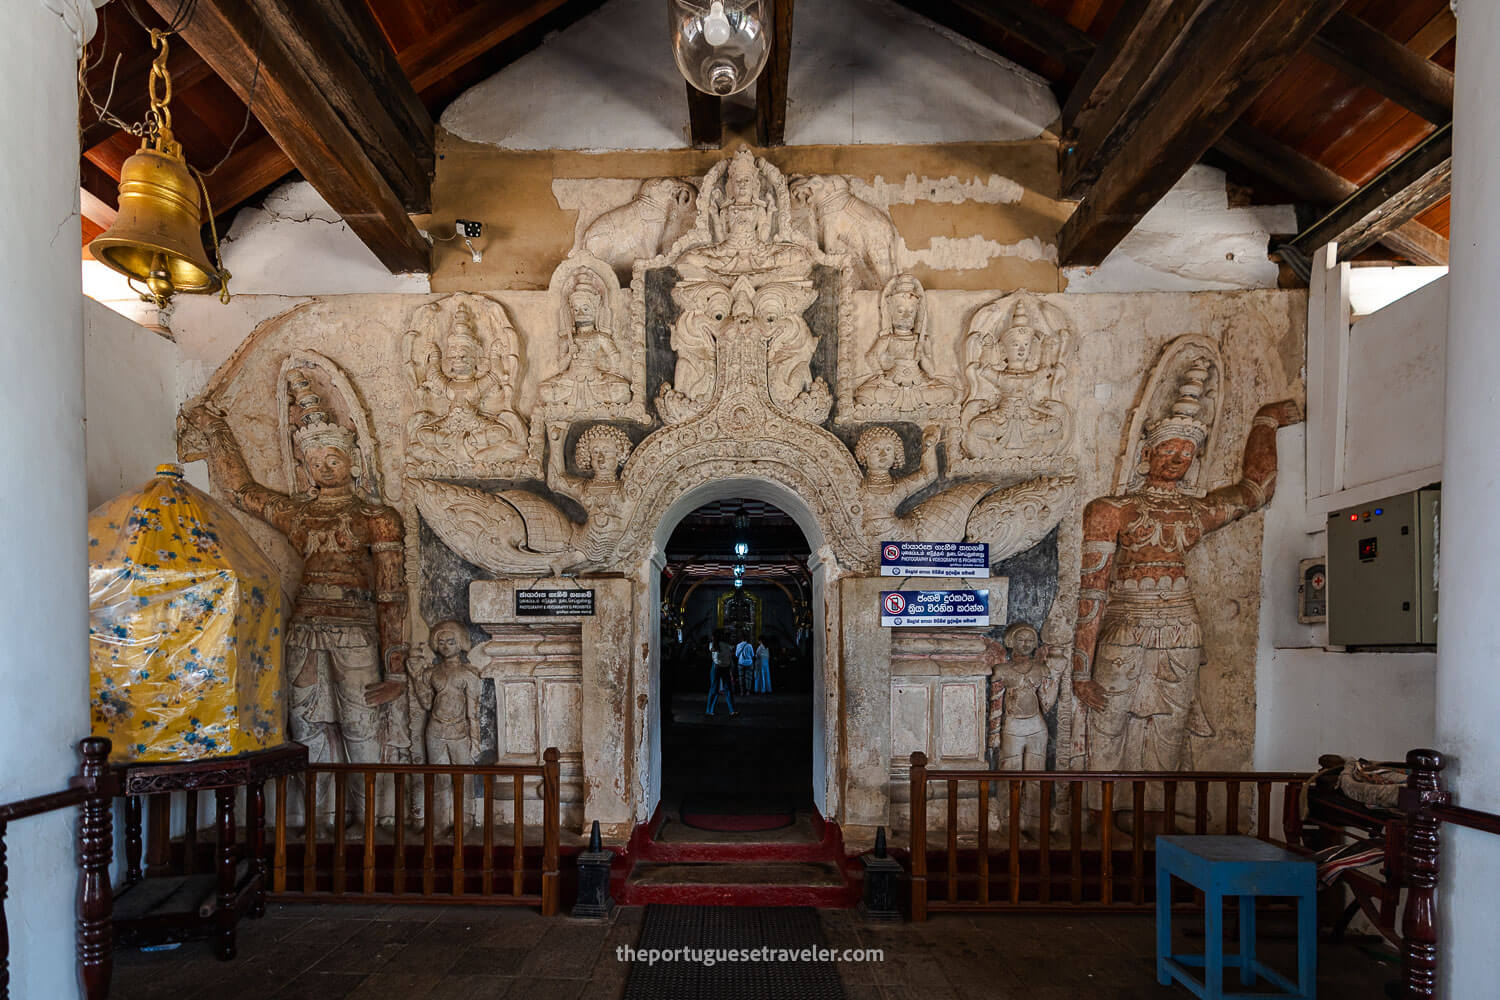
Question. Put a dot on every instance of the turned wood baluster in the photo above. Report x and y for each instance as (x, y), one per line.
(429, 864)
(952, 841)
(919, 836)
(278, 861)
(1044, 844)
(367, 868)
(984, 841)
(255, 801)
(96, 844)
(1423, 790)
(487, 867)
(225, 916)
(310, 831)
(518, 836)
(1138, 842)
(1014, 844)
(398, 875)
(132, 839)
(459, 809)
(1263, 810)
(551, 799)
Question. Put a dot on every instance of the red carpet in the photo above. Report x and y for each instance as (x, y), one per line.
(738, 823)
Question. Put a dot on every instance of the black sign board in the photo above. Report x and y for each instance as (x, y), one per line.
(554, 603)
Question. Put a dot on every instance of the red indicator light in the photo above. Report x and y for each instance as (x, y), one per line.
(1354, 517)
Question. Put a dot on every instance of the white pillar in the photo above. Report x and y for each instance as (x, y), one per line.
(43, 587)
(1468, 672)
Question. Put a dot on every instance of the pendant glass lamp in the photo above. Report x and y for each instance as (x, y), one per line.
(720, 45)
(155, 238)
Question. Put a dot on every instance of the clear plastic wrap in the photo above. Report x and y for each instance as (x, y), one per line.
(184, 628)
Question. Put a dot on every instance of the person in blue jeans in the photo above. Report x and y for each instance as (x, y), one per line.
(720, 671)
(744, 658)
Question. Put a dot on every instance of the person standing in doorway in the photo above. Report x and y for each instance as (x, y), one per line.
(744, 658)
(762, 667)
(720, 671)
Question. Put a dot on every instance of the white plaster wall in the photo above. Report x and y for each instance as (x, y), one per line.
(1191, 240)
(1394, 422)
(1373, 288)
(1468, 698)
(862, 71)
(130, 402)
(43, 599)
(1311, 700)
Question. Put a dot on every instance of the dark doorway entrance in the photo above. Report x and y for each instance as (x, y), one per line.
(737, 568)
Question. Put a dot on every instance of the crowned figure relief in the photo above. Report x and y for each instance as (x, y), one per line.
(1139, 638)
(345, 643)
(463, 369)
(905, 374)
(1014, 369)
(595, 373)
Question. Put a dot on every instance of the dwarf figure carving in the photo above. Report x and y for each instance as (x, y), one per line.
(448, 691)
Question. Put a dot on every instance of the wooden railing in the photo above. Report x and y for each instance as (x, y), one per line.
(402, 860)
(1427, 806)
(1095, 864)
(92, 790)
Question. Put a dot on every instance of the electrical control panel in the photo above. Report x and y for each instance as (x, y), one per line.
(1382, 582)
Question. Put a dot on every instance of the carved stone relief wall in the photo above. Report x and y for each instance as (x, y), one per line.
(769, 332)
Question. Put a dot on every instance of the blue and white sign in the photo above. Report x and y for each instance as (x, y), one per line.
(958, 559)
(927, 608)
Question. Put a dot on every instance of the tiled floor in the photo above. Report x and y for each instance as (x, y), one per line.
(342, 952)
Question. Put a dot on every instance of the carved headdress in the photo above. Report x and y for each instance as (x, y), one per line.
(463, 331)
(1183, 421)
(315, 427)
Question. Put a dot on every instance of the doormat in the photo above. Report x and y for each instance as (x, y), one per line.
(700, 936)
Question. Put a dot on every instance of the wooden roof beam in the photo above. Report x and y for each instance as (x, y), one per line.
(771, 88)
(1307, 179)
(1226, 56)
(1375, 60)
(1399, 193)
(295, 103)
(705, 119)
(1097, 116)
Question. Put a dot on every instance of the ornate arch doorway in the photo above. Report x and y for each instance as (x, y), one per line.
(791, 611)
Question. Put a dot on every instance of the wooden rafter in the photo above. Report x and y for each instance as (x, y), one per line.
(1307, 179)
(128, 100)
(1021, 19)
(294, 103)
(1400, 192)
(1375, 60)
(1228, 53)
(1131, 57)
(462, 39)
(705, 118)
(771, 88)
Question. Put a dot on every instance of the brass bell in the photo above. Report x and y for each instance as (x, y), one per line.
(155, 238)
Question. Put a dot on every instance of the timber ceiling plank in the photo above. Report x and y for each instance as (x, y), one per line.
(306, 123)
(1408, 187)
(771, 88)
(1384, 65)
(1228, 55)
(462, 39)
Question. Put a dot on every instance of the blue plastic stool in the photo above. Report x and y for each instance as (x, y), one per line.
(1243, 867)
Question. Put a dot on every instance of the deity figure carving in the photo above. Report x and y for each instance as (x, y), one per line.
(850, 225)
(519, 533)
(595, 375)
(345, 642)
(448, 690)
(649, 224)
(1014, 369)
(1010, 519)
(463, 381)
(747, 226)
(1139, 640)
(1025, 679)
(905, 375)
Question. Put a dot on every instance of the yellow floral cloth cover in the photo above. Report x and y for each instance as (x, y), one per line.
(184, 628)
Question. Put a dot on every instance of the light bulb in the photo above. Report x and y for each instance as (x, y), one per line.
(716, 25)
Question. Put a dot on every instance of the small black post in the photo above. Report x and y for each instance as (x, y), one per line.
(594, 901)
(882, 876)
